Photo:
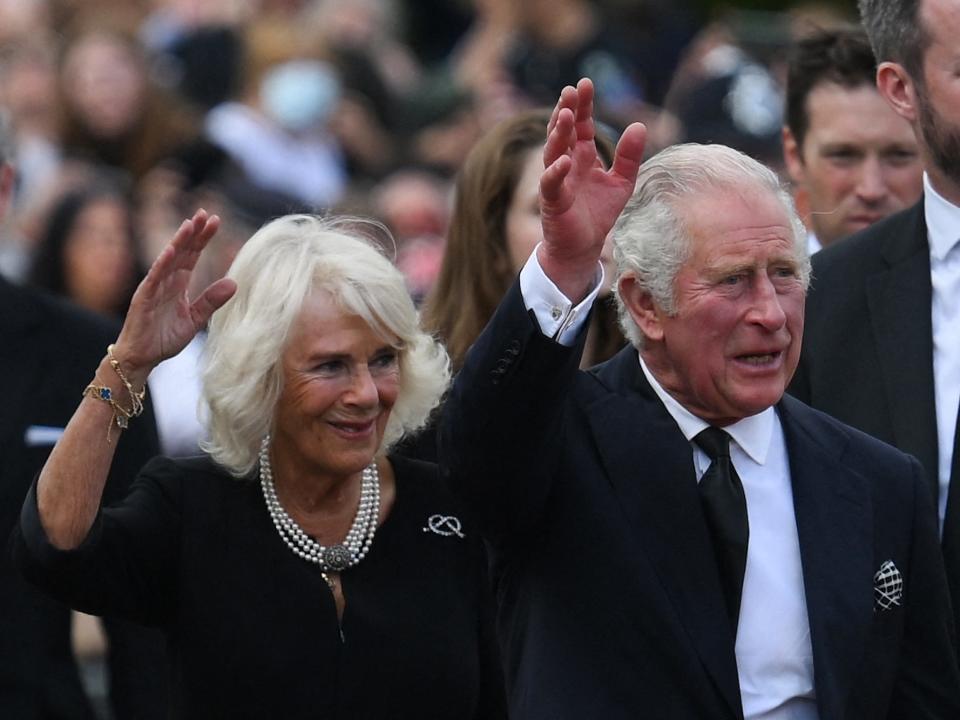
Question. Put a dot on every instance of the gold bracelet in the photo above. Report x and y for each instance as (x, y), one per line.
(136, 398)
(121, 417)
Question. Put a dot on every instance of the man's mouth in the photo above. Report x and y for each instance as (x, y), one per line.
(759, 359)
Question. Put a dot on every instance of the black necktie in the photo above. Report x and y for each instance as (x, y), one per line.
(725, 508)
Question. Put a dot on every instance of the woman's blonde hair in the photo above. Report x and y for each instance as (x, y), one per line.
(275, 271)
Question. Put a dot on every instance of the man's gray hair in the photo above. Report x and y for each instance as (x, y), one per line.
(276, 271)
(650, 239)
(896, 33)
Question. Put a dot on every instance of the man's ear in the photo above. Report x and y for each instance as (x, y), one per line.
(641, 307)
(898, 88)
(793, 157)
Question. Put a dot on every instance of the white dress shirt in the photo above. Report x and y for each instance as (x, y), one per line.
(943, 232)
(773, 650)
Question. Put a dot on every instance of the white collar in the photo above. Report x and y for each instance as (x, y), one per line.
(943, 219)
(753, 434)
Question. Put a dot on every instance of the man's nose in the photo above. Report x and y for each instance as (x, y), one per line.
(871, 186)
(767, 310)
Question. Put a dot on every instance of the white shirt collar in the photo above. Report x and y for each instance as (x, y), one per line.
(943, 219)
(753, 434)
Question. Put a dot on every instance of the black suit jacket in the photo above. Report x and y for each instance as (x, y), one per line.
(867, 355)
(609, 600)
(49, 351)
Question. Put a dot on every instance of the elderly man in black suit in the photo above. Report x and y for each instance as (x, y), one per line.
(671, 536)
(47, 348)
(882, 347)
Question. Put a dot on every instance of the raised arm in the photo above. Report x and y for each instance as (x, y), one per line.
(580, 200)
(161, 320)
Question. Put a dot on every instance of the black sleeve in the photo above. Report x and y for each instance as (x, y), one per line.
(928, 681)
(502, 424)
(126, 567)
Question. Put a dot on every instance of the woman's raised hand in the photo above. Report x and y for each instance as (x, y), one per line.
(162, 318)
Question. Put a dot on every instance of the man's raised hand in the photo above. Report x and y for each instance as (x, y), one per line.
(580, 200)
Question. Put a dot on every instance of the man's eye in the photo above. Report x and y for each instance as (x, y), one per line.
(901, 157)
(843, 157)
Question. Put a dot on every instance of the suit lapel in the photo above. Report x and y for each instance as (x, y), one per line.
(899, 301)
(834, 525)
(650, 466)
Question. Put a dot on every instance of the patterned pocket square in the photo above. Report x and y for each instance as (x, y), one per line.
(887, 587)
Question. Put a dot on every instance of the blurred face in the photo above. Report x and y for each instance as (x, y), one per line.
(341, 381)
(938, 97)
(523, 228)
(859, 161)
(99, 260)
(732, 346)
(104, 84)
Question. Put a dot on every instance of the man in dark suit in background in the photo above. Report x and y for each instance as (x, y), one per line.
(670, 535)
(48, 350)
(882, 346)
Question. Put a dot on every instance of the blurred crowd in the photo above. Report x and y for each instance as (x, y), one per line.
(126, 115)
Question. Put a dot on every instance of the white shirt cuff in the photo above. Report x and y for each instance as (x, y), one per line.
(557, 316)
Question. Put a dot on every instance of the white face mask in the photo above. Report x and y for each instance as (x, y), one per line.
(300, 94)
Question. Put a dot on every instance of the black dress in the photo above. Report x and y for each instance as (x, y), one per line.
(253, 629)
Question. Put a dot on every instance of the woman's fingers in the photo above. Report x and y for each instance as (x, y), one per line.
(211, 300)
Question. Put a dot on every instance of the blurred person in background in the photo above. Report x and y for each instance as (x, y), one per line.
(28, 90)
(494, 226)
(28, 94)
(414, 204)
(378, 73)
(882, 351)
(726, 89)
(560, 41)
(88, 250)
(195, 47)
(48, 347)
(277, 128)
(175, 384)
(852, 158)
(323, 576)
(112, 113)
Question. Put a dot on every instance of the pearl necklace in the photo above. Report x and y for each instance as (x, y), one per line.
(333, 558)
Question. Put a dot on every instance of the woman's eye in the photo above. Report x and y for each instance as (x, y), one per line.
(330, 367)
(385, 360)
